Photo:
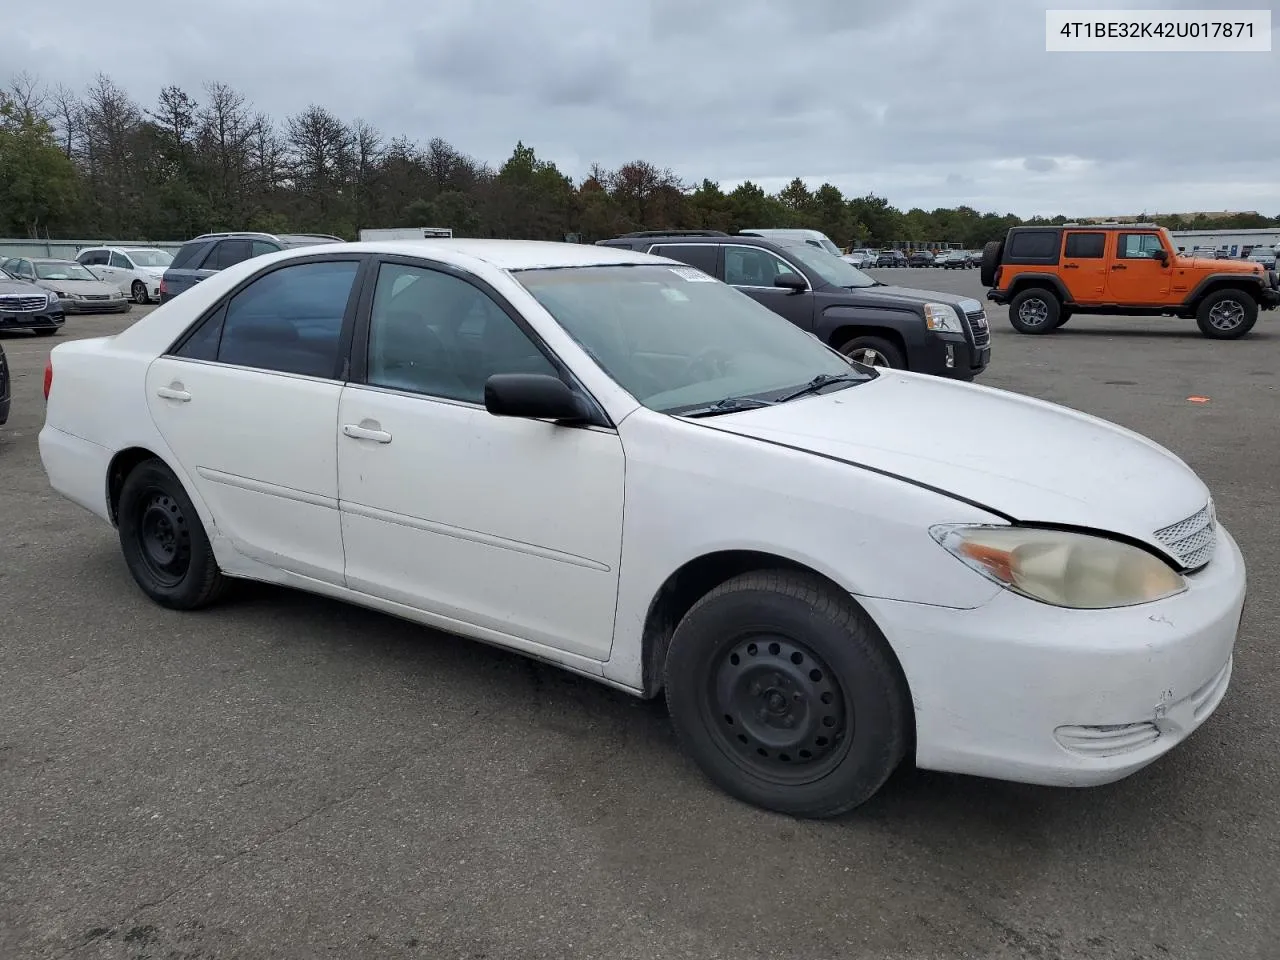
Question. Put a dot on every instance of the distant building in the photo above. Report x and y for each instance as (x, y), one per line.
(1148, 217)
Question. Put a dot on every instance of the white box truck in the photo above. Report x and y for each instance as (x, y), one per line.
(406, 233)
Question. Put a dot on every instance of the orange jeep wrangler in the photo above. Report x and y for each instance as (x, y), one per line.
(1046, 274)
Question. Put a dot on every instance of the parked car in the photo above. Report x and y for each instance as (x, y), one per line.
(4, 387)
(1048, 274)
(891, 258)
(955, 260)
(819, 571)
(1265, 256)
(871, 322)
(920, 258)
(25, 306)
(137, 271)
(860, 258)
(77, 289)
(210, 252)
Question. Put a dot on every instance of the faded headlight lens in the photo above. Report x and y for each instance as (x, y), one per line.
(1072, 570)
(942, 317)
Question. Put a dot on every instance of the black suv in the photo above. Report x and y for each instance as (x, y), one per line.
(866, 320)
(211, 252)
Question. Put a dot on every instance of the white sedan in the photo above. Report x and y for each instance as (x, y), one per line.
(613, 462)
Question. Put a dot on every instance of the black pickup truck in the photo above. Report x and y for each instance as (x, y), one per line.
(868, 321)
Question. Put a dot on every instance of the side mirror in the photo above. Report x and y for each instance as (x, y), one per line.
(1162, 255)
(791, 282)
(532, 396)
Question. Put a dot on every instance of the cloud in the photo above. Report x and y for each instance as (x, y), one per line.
(927, 103)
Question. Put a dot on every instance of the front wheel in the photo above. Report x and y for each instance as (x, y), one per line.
(874, 352)
(1227, 314)
(1035, 310)
(786, 695)
(140, 292)
(164, 542)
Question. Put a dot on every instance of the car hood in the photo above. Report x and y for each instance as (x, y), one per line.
(82, 286)
(890, 295)
(1032, 461)
(1219, 266)
(20, 287)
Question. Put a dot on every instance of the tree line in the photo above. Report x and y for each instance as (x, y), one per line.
(97, 164)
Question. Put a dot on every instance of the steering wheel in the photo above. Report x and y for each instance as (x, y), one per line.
(713, 360)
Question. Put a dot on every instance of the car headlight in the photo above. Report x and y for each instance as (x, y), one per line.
(1064, 569)
(52, 296)
(942, 318)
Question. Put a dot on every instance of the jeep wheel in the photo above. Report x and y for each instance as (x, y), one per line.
(991, 255)
(1227, 314)
(1035, 310)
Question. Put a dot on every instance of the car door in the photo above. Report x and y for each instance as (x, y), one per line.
(1135, 276)
(753, 271)
(511, 525)
(248, 403)
(1084, 265)
(120, 272)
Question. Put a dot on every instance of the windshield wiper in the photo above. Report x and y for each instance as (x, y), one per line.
(728, 405)
(823, 380)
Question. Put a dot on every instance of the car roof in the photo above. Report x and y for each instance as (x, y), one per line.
(49, 260)
(502, 254)
(652, 239)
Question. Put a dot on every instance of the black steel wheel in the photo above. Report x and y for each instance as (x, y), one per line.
(163, 540)
(778, 708)
(786, 694)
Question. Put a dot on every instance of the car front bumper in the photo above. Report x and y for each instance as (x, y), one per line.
(21, 319)
(1019, 690)
(113, 305)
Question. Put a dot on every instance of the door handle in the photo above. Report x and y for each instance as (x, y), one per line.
(1119, 266)
(1071, 266)
(173, 393)
(366, 431)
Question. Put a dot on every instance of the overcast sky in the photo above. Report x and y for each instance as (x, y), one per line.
(925, 102)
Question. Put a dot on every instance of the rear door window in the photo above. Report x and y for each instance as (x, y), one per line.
(191, 255)
(227, 254)
(1085, 246)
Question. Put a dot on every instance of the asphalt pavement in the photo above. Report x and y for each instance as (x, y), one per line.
(285, 776)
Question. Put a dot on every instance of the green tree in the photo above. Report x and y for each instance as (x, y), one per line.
(38, 183)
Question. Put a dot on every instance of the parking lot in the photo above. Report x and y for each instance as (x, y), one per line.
(286, 776)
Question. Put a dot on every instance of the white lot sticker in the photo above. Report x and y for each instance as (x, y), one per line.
(692, 274)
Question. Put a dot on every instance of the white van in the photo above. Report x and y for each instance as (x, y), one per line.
(815, 238)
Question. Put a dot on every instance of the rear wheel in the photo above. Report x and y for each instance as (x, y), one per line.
(1035, 310)
(1227, 314)
(164, 542)
(785, 694)
(874, 352)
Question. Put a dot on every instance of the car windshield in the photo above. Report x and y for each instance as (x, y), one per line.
(678, 340)
(832, 269)
(62, 271)
(150, 258)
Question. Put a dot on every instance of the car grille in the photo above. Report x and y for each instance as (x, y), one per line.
(23, 304)
(96, 296)
(978, 324)
(1192, 540)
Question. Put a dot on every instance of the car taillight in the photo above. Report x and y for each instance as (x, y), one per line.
(163, 289)
(48, 377)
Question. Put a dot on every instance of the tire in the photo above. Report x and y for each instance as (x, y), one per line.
(992, 253)
(1035, 310)
(878, 352)
(777, 661)
(164, 542)
(1064, 314)
(44, 331)
(140, 292)
(1227, 314)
